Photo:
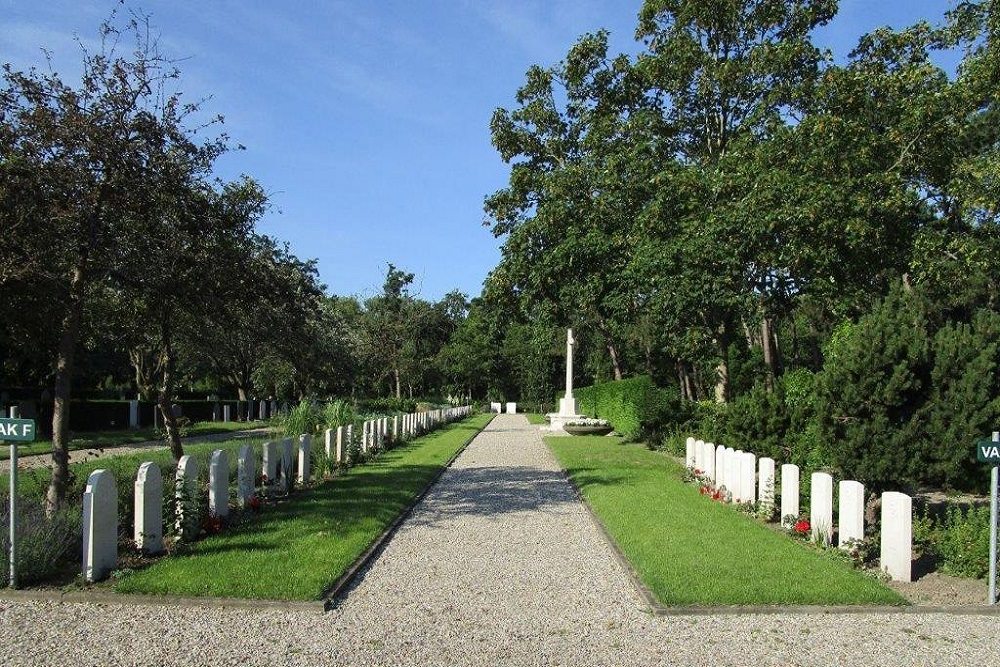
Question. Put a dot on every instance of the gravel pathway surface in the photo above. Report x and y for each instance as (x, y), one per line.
(91, 453)
(499, 565)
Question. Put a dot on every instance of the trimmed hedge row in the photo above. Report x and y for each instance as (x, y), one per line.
(634, 406)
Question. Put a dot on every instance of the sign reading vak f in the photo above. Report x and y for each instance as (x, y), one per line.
(988, 451)
(17, 430)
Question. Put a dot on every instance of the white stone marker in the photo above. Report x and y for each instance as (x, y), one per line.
(227, 413)
(218, 484)
(329, 443)
(689, 456)
(821, 508)
(395, 429)
(269, 468)
(748, 477)
(365, 429)
(100, 525)
(512, 408)
(850, 512)
(305, 458)
(789, 493)
(285, 474)
(148, 509)
(244, 476)
(720, 466)
(765, 489)
(897, 536)
(699, 455)
(338, 450)
(186, 495)
(709, 456)
(349, 444)
(734, 462)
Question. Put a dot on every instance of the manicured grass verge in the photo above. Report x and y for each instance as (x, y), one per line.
(535, 418)
(689, 550)
(296, 550)
(118, 437)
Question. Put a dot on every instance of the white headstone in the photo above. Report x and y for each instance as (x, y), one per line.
(305, 458)
(734, 458)
(699, 455)
(689, 455)
(330, 443)
(850, 512)
(766, 488)
(821, 508)
(897, 536)
(709, 456)
(218, 484)
(720, 466)
(748, 477)
(269, 467)
(244, 476)
(187, 509)
(148, 509)
(789, 493)
(285, 475)
(395, 429)
(348, 451)
(512, 408)
(227, 413)
(100, 525)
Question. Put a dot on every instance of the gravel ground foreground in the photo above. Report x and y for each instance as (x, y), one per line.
(500, 564)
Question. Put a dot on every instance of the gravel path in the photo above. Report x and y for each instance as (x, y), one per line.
(499, 565)
(91, 453)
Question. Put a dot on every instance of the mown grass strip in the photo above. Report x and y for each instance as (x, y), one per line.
(689, 550)
(534, 418)
(296, 550)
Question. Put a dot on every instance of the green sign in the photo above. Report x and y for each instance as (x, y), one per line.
(17, 430)
(988, 451)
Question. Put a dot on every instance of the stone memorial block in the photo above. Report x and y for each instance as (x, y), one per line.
(100, 525)
(897, 536)
(720, 466)
(348, 451)
(734, 463)
(821, 508)
(789, 493)
(218, 484)
(765, 481)
(305, 458)
(227, 413)
(244, 476)
(339, 452)
(709, 456)
(850, 512)
(748, 477)
(689, 457)
(286, 476)
(269, 469)
(263, 410)
(329, 443)
(187, 512)
(395, 429)
(699, 455)
(148, 509)
(512, 408)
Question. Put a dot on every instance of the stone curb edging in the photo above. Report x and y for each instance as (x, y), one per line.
(129, 600)
(655, 608)
(331, 596)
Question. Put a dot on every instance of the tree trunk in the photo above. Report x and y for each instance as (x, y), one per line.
(399, 387)
(65, 358)
(166, 394)
(722, 388)
(681, 380)
(769, 345)
(615, 363)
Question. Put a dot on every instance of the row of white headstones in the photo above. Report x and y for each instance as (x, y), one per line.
(747, 480)
(498, 408)
(100, 499)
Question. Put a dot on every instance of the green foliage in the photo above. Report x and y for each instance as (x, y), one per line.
(338, 413)
(44, 544)
(635, 407)
(961, 541)
(306, 417)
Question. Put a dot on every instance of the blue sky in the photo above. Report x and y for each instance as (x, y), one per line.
(368, 122)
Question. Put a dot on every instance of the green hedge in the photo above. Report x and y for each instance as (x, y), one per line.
(635, 407)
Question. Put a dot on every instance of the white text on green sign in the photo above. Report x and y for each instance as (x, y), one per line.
(17, 430)
(988, 451)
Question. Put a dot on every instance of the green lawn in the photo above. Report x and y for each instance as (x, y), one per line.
(296, 550)
(534, 418)
(119, 437)
(690, 550)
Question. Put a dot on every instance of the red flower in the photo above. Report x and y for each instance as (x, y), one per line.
(717, 495)
(802, 526)
(254, 503)
(698, 472)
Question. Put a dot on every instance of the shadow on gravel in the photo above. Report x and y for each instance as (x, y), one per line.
(495, 491)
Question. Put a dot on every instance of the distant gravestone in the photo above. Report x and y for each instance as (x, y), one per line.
(765, 490)
(340, 452)
(227, 413)
(821, 508)
(244, 476)
(512, 408)
(218, 484)
(348, 452)
(263, 410)
(305, 458)
(733, 475)
(148, 509)
(789, 493)
(689, 457)
(186, 496)
(269, 468)
(329, 443)
(897, 536)
(274, 408)
(748, 477)
(851, 512)
(285, 475)
(709, 457)
(395, 429)
(100, 526)
(720, 466)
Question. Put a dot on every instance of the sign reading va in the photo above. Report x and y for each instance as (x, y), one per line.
(988, 451)
(17, 430)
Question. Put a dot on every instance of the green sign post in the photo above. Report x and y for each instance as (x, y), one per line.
(15, 430)
(988, 451)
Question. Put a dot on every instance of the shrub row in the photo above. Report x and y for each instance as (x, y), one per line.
(636, 407)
